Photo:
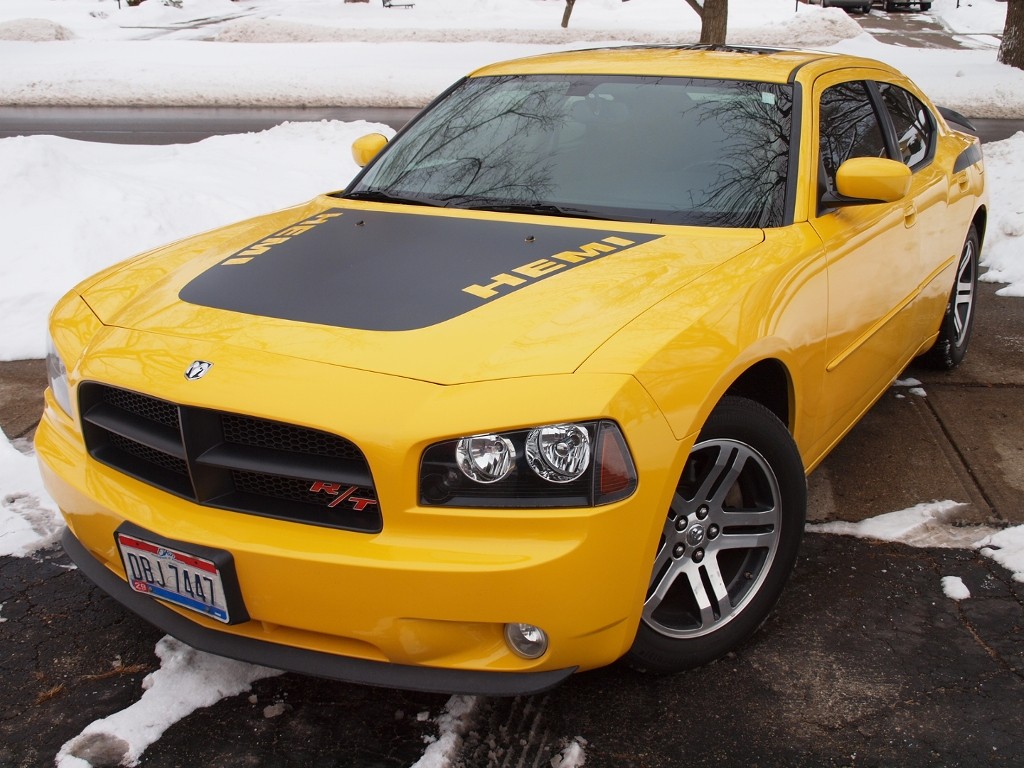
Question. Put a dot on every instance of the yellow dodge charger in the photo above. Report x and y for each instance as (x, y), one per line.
(538, 390)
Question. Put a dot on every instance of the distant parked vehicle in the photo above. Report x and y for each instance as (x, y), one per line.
(863, 6)
(892, 5)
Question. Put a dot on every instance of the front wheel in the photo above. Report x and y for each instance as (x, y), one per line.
(958, 321)
(729, 541)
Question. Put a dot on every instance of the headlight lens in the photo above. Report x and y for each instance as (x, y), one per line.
(556, 465)
(57, 375)
(485, 458)
(559, 453)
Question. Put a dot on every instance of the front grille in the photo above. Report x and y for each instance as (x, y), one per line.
(231, 461)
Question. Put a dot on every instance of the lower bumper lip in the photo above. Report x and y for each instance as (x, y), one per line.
(307, 662)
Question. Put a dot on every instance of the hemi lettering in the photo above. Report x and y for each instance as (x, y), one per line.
(489, 291)
(263, 246)
(590, 250)
(538, 268)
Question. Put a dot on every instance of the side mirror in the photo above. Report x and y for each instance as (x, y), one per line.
(866, 180)
(365, 148)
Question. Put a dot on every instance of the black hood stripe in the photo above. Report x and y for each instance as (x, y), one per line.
(378, 271)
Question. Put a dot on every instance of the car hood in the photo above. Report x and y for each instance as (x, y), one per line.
(439, 295)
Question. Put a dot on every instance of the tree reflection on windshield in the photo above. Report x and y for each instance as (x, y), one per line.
(667, 150)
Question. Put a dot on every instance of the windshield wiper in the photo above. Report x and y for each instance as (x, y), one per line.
(541, 209)
(377, 196)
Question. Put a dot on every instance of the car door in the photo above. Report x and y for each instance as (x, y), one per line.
(873, 253)
(939, 230)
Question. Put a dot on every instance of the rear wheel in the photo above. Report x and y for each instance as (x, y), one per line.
(958, 321)
(729, 541)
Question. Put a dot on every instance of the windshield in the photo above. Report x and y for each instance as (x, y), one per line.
(661, 149)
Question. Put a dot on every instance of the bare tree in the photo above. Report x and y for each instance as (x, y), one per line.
(567, 12)
(714, 16)
(1011, 51)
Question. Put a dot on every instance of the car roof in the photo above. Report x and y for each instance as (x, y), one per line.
(773, 65)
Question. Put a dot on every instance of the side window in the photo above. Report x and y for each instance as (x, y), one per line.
(915, 129)
(849, 127)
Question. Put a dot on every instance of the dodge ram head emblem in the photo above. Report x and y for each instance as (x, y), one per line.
(197, 370)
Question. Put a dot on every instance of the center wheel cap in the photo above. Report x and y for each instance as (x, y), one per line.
(695, 535)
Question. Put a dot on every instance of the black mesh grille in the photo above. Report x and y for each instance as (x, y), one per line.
(151, 455)
(286, 437)
(150, 408)
(231, 461)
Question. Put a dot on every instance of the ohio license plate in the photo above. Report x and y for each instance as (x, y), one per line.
(178, 577)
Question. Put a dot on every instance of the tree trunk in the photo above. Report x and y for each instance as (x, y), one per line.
(714, 20)
(567, 13)
(1011, 51)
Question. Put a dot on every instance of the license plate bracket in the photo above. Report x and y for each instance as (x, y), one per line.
(194, 577)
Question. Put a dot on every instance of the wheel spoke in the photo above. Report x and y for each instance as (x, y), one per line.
(661, 588)
(750, 518)
(660, 561)
(707, 612)
(746, 540)
(963, 298)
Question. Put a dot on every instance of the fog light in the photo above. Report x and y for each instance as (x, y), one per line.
(485, 458)
(526, 640)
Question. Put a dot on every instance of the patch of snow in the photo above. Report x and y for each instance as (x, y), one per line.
(923, 525)
(954, 588)
(34, 31)
(1006, 547)
(186, 681)
(29, 520)
(452, 724)
(572, 755)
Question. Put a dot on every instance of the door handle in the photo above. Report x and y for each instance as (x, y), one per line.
(910, 216)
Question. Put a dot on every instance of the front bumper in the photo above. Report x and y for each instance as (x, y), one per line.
(307, 662)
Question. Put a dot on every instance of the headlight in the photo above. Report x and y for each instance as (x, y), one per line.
(555, 465)
(57, 375)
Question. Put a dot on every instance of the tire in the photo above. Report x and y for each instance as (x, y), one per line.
(926, 6)
(866, 8)
(729, 543)
(958, 320)
(890, 6)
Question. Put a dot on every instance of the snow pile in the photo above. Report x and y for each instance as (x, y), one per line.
(1006, 547)
(35, 31)
(116, 201)
(924, 525)
(1003, 252)
(186, 681)
(29, 519)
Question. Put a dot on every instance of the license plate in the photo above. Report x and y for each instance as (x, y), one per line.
(178, 577)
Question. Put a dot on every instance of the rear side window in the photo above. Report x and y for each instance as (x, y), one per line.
(915, 128)
(849, 127)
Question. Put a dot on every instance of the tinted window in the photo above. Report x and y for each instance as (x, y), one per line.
(849, 127)
(667, 150)
(912, 121)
